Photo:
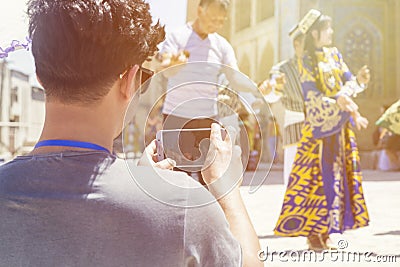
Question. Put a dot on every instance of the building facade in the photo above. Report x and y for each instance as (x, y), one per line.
(21, 111)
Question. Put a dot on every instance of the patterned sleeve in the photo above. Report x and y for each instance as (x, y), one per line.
(323, 113)
(350, 85)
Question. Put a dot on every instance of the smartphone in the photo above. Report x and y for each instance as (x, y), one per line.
(188, 147)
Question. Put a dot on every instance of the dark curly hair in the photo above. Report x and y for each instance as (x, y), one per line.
(81, 46)
(309, 44)
(321, 24)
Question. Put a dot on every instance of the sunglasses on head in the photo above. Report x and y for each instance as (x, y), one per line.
(142, 76)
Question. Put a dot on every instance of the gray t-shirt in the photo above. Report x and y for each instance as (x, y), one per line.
(84, 209)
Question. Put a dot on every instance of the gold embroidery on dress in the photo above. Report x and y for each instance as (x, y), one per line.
(329, 73)
(321, 113)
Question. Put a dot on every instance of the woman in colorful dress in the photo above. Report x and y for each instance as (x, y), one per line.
(324, 194)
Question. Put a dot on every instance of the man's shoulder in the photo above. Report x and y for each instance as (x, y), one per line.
(16, 165)
(173, 188)
(220, 39)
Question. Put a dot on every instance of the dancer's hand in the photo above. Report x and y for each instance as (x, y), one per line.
(274, 84)
(280, 81)
(265, 87)
(346, 103)
(363, 75)
(360, 121)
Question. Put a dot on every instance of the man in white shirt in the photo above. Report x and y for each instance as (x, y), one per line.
(191, 98)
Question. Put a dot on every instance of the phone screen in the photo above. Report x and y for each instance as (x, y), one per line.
(188, 147)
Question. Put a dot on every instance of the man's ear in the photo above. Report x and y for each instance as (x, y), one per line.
(199, 10)
(130, 85)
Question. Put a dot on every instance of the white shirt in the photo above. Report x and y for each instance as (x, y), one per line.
(192, 92)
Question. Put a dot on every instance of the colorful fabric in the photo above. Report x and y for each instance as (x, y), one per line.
(292, 99)
(391, 118)
(324, 193)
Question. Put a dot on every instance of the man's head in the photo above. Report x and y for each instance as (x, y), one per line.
(319, 34)
(299, 31)
(212, 15)
(82, 46)
(322, 31)
(298, 38)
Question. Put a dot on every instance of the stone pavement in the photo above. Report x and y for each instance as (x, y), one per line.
(380, 240)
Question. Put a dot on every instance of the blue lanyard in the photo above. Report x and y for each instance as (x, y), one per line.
(71, 143)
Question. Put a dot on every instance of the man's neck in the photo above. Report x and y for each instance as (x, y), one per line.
(78, 123)
(197, 28)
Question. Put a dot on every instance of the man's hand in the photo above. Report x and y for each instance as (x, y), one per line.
(265, 87)
(279, 79)
(363, 76)
(169, 59)
(276, 84)
(223, 167)
(149, 158)
(346, 103)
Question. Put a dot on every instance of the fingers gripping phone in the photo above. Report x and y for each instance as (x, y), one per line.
(188, 147)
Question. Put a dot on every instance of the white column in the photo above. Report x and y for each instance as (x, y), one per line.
(287, 14)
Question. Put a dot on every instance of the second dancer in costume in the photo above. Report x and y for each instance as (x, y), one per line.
(324, 194)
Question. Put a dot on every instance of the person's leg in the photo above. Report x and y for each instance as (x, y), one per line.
(328, 242)
(387, 160)
(316, 243)
(394, 161)
(320, 242)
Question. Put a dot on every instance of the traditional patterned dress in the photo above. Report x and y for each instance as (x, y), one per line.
(324, 193)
